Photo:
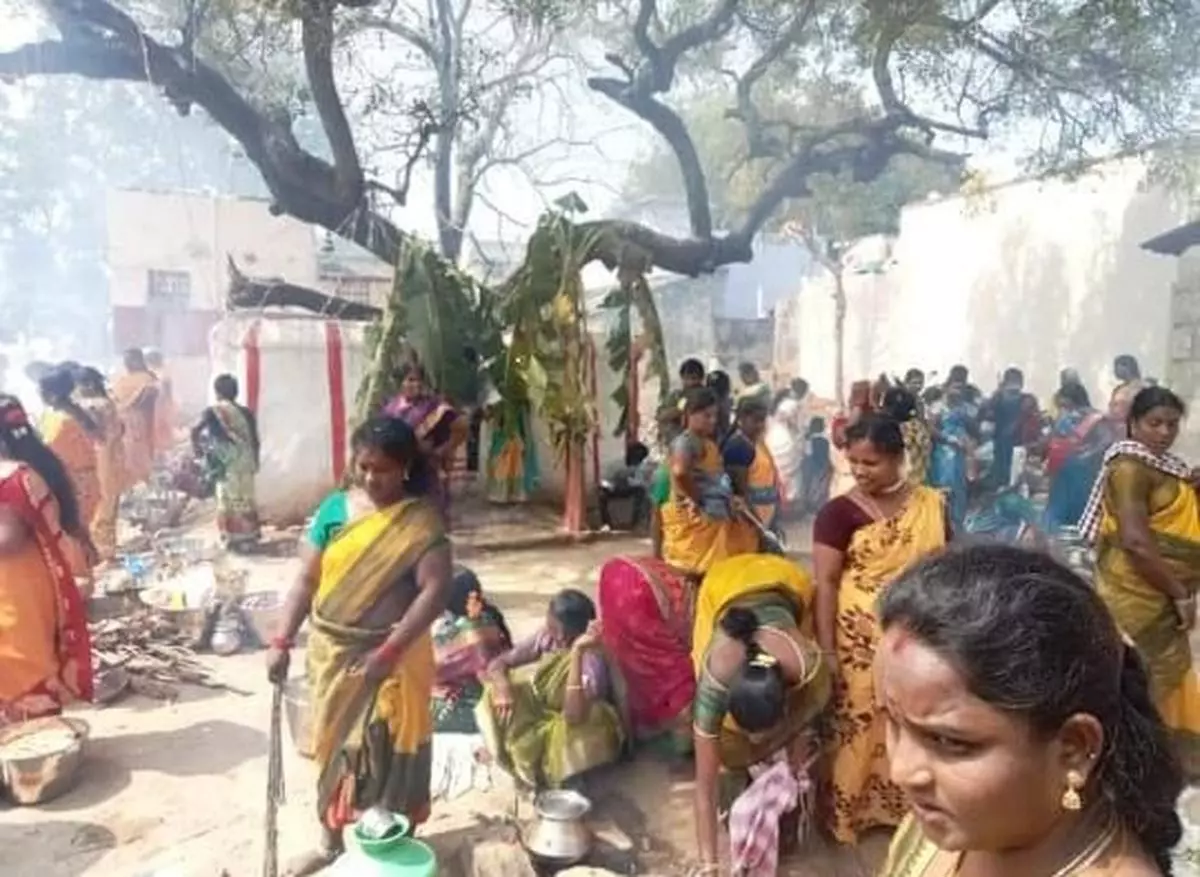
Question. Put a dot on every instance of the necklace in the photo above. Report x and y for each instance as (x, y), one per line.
(1086, 857)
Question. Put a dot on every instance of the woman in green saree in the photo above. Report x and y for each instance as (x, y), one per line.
(550, 711)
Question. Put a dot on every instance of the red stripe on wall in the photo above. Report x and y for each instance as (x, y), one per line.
(253, 351)
(337, 398)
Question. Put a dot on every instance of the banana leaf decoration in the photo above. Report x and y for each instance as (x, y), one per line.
(634, 295)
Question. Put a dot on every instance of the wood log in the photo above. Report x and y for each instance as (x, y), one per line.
(247, 293)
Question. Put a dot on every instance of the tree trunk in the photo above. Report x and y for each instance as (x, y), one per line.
(839, 335)
(575, 506)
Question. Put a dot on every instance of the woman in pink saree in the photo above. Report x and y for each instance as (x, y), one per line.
(439, 428)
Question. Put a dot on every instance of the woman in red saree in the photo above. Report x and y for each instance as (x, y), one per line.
(45, 654)
(646, 611)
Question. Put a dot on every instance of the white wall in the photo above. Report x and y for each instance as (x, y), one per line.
(1041, 275)
(179, 231)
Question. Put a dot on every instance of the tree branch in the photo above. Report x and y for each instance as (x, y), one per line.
(316, 33)
(413, 37)
(251, 293)
(671, 127)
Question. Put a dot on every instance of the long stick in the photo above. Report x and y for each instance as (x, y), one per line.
(274, 784)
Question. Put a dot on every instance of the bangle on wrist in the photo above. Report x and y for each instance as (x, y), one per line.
(283, 643)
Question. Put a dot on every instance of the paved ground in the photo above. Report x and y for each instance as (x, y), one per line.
(177, 790)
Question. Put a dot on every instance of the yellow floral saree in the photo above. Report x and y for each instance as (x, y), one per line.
(1142, 611)
(372, 745)
(864, 796)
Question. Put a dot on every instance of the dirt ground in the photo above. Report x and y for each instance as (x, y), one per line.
(178, 790)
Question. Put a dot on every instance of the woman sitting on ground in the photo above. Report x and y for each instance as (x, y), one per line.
(470, 635)
(549, 711)
(1020, 725)
(761, 683)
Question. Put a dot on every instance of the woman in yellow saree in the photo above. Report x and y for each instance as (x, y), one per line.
(697, 519)
(1020, 725)
(166, 411)
(71, 433)
(136, 395)
(751, 467)
(110, 460)
(372, 585)
(761, 680)
(861, 541)
(1144, 519)
(553, 709)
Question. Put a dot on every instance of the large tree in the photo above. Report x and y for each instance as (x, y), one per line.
(456, 76)
(1070, 76)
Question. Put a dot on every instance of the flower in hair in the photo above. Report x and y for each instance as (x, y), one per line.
(764, 659)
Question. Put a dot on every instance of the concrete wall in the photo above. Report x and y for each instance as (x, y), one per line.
(1039, 274)
(196, 234)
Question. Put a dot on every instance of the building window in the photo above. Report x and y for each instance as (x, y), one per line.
(170, 290)
(357, 290)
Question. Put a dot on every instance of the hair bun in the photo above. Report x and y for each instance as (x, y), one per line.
(741, 624)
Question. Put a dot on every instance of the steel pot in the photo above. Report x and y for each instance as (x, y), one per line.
(559, 834)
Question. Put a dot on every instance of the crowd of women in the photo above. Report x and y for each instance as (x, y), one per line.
(1004, 716)
(61, 480)
(1000, 712)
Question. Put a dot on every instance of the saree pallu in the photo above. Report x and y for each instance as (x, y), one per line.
(371, 743)
(45, 651)
(73, 446)
(780, 594)
(237, 508)
(1147, 616)
(462, 649)
(863, 796)
(110, 470)
(646, 609)
(129, 392)
(537, 744)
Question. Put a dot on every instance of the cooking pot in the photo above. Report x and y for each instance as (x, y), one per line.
(559, 835)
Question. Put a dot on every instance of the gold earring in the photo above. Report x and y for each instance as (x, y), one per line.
(1070, 798)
